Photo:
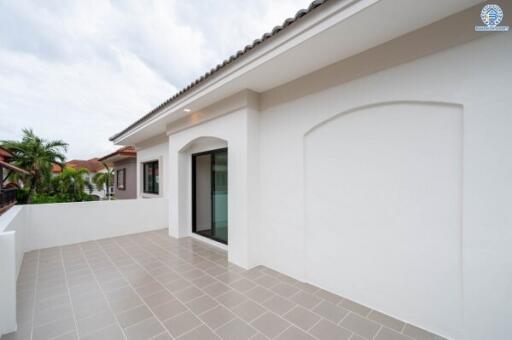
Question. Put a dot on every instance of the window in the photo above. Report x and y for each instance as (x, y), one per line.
(150, 177)
(121, 179)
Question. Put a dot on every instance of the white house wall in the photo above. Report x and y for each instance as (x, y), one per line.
(154, 150)
(456, 102)
(380, 178)
(229, 130)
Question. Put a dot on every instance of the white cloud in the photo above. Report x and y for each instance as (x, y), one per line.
(83, 70)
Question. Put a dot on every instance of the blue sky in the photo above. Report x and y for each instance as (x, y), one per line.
(82, 70)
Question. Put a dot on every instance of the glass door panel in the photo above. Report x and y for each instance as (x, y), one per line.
(210, 194)
(220, 195)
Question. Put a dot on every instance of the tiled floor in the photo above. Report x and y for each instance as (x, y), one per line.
(150, 286)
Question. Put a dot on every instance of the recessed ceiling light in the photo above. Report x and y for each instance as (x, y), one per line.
(187, 110)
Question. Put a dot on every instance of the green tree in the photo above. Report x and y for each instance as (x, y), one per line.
(104, 180)
(70, 185)
(36, 155)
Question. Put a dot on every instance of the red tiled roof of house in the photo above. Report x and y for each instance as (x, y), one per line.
(91, 165)
(128, 151)
(56, 168)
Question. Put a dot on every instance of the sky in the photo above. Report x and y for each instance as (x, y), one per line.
(83, 70)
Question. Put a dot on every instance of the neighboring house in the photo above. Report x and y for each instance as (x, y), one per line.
(93, 166)
(124, 164)
(7, 186)
(363, 146)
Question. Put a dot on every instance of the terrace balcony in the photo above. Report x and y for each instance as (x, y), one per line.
(144, 284)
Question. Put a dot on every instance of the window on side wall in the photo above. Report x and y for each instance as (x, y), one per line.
(121, 179)
(150, 177)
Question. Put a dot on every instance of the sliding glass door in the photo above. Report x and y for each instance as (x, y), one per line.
(210, 194)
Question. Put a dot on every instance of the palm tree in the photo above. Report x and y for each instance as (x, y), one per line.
(104, 180)
(71, 184)
(37, 156)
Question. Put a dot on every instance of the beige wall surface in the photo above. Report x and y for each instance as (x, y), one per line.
(130, 165)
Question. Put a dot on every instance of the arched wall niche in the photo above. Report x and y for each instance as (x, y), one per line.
(383, 185)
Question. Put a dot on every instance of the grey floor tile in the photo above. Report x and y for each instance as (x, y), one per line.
(325, 330)
(177, 285)
(112, 332)
(95, 322)
(386, 320)
(163, 336)
(202, 304)
(126, 304)
(169, 309)
(259, 336)
(285, 290)
(114, 284)
(194, 273)
(248, 310)
(259, 294)
(199, 333)
(132, 316)
(54, 329)
(420, 334)
(216, 289)
(189, 294)
(217, 317)
(231, 299)
(158, 299)
(360, 325)
(302, 317)
(149, 289)
(388, 334)
(294, 333)
(69, 336)
(270, 324)
(328, 296)
(278, 304)
(84, 310)
(51, 314)
(229, 277)
(242, 285)
(157, 265)
(236, 330)
(144, 330)
(358, 337)
(182, 323)
(267, 281)
(307, 287)
(203, 281)
(355, 307)
(306, 299)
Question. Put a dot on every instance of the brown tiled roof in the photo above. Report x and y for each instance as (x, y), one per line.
(56, 168)
(92, 165)
(276, 30)
(128, 151)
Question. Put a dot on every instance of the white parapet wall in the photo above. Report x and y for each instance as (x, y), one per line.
(12, 231)
(31, 227)
(53, 225)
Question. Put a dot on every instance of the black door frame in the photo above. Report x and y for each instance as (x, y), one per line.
(212, 186)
